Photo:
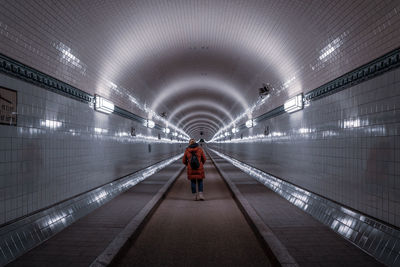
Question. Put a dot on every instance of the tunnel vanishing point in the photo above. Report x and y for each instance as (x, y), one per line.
(295, 104)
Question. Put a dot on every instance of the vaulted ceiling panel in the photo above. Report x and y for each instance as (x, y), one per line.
(185, 57)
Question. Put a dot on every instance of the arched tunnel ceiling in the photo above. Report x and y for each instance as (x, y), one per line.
(201, 127)
(213, 54)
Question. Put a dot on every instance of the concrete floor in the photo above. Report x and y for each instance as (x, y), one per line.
(183, 232)
(80, 243)
(307, 240)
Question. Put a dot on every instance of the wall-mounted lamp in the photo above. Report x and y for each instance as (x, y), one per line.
(234, 130)
(103, 105)
(226, 133)
(150, 124)
(166, 130)
(249, 123)
(175, 134)
(294, 104)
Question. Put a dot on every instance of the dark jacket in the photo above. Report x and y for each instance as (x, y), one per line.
(198, 173)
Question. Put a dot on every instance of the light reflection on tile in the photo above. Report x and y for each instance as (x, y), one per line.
(345, 222)
(62, 147)
(343, 147)
(42, 225)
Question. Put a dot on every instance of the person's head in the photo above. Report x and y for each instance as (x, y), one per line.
(192, 141)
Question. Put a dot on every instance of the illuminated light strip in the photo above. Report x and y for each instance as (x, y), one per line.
(292, 105)
(194, 126)
(100, 131)
(196, 113)
(193, 83)
(194, 104)
(227, 90)
(370, 70)
(51, 123)
(41, 226)
(248, 139)
(252, 122)
(167, 124)
(17, 69)
(205, 129)
(247, 113)
(193, 123)
(140, 137)
(350, 224)
(145, 108)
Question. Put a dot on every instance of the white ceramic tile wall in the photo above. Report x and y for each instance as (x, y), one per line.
(57, 152)
(345, 147)
(150, 46)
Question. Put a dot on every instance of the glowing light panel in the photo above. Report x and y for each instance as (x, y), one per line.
(103, 105)
(249, 123)
(150, 124)
(294, 104)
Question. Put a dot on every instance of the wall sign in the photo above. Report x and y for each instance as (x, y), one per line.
(8, 106)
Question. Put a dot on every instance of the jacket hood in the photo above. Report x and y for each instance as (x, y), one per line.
(193, 145)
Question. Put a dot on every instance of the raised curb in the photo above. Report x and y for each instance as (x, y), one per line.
(281, 255)
(133, 228)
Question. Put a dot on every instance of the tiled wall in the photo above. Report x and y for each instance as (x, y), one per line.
(345, 147)
(62, 147)
(142, 45)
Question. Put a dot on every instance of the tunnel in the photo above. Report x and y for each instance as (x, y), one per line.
(199, 133)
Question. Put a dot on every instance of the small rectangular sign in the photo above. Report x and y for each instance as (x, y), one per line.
(8, 106)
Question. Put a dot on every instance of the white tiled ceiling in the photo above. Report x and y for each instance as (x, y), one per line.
(199, 57)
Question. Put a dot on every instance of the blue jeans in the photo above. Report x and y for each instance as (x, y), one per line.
(193, 185)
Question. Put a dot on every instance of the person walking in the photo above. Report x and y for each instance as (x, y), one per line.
(194, 160)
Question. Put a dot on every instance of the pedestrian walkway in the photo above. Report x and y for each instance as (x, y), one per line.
(80, 243)
(308, 241)
(184, 232)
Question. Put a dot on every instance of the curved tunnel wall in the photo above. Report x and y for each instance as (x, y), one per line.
(344, 147)
(62, 147)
